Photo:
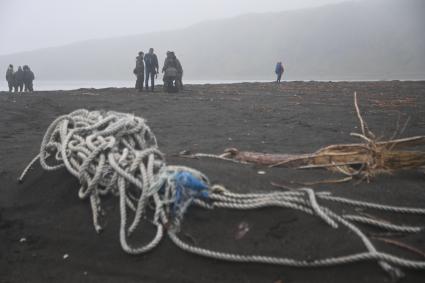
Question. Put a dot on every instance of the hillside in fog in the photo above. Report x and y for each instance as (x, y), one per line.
(378, 39)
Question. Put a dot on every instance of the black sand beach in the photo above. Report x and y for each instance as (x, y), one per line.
(294, 117)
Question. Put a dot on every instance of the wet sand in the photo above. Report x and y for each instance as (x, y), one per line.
(295, 117)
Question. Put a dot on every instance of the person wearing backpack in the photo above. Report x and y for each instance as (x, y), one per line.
(28, 79)
(151, 68)
(179, 80)
(279, 71)
(171, 73)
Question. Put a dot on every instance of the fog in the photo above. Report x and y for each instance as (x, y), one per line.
(27, 25)
(215, 40)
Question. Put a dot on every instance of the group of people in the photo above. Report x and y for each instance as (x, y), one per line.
(147, 69)
(21, 79)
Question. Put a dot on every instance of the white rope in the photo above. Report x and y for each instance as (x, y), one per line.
(386, 226)
(116, 153)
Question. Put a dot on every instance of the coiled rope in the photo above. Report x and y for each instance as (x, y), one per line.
(117, 153)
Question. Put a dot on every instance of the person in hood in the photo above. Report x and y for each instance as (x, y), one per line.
(18, 78)
(9, 77)
(279, 71)
(170, 71)
(139, 71)
(179, 80)
(151, 68)
(28, 79)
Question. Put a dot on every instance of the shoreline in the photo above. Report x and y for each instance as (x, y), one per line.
(214, 83)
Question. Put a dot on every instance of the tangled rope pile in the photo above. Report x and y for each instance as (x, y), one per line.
(116, 153)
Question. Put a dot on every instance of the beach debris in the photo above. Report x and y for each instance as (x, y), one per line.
(361, 161)
(261, 172)
(394, 103)
(401, 245)
(113, 153)
(23, 240)
(241, 230)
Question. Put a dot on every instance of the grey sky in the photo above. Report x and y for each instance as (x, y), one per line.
(28, 24)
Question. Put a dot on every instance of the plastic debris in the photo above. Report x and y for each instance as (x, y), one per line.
(188, 187)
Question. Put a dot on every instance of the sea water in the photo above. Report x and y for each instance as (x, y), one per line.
(42, 85)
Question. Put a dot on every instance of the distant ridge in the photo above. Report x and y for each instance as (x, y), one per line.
(359, 40)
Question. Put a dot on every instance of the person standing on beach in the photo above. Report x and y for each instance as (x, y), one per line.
(179, 80)
(18, 78)
(279, 71)
(9, 77)
(172, 61)
(139, 71)
(28, 79)
(170, 71)
(151, 66)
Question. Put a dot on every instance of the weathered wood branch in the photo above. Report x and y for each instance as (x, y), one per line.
(364, 159)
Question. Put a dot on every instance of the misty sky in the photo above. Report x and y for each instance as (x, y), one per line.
(27, 24)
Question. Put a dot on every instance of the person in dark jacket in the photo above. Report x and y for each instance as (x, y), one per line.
(9, 77)
(170, 71)
(28, 79)
(18, 78)
(151, 68)
(279, 71)
(179, 80)
(139, 71)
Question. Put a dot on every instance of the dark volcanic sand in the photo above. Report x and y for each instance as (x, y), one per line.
(294, 117)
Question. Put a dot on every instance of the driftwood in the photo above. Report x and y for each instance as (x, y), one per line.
(362, 160)
(383, 155)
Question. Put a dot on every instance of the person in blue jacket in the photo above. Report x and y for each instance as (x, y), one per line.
(279, 71)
